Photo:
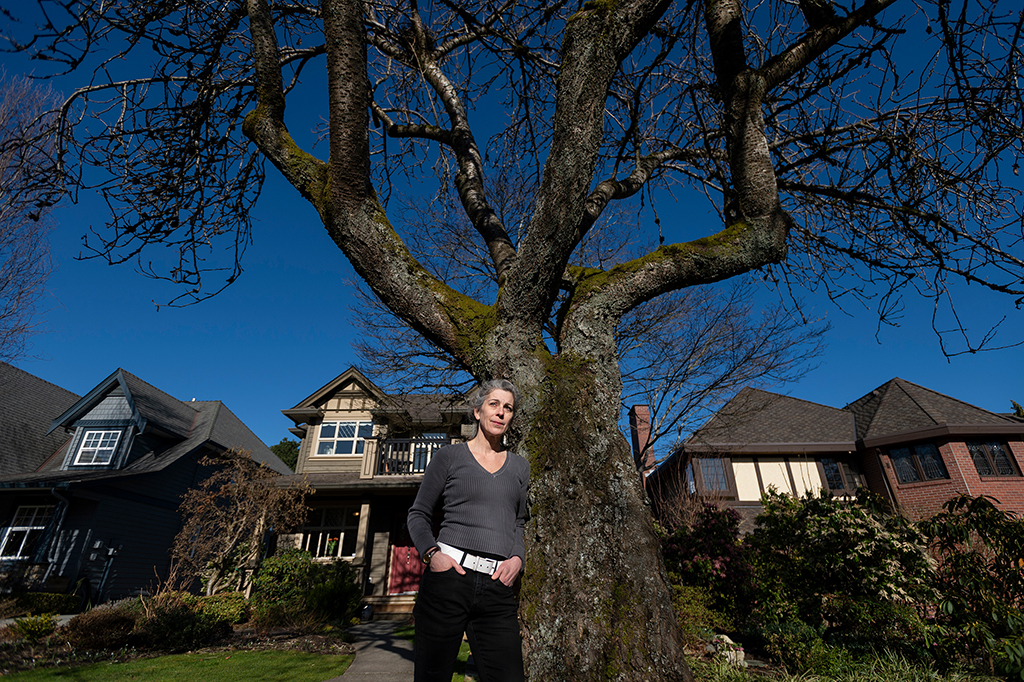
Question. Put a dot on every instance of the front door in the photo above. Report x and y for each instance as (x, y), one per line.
(406, 566)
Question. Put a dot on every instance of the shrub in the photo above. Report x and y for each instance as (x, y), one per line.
(293, 590)
(807, 548)
(175, 621)
(230, 607)
(102, 628)
(709, 555)
(695, 614)
(35, 603)
(35, 628)
(337, 595)
(980, 583)
(864, 624)
(47, 602)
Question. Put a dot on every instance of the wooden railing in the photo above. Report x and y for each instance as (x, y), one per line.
(398, 456)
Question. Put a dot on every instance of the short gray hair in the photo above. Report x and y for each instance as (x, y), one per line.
(489, 387)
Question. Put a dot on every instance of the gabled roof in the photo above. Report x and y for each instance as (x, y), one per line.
(898, 406)
(757, 421)
(414, 408)
(145, 400)
(419, 408)
(27, 403)
(760, 421)
(186, 428)
(311, 404)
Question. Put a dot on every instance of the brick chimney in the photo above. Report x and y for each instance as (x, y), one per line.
(640, 430)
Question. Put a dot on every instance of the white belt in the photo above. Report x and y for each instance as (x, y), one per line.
(479, 564)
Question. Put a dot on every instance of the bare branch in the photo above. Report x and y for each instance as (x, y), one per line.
(29, 187)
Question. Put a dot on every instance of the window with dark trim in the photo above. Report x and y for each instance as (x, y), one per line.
(921, 462)
(332, 532)
(992, 459)
(712, 476)
(840, 475)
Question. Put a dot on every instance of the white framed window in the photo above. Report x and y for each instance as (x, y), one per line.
(19, 542)
(343, 438)
(97, 447)
(331, 532)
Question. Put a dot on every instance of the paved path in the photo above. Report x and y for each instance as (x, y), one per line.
(380, 656)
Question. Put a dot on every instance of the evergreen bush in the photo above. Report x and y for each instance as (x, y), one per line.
(174, 621)
(696, 616)
(291, 589)
(980, 581)
(808, 548)
(35, 628)
(230, 607)
(708, 554)
(35, 603)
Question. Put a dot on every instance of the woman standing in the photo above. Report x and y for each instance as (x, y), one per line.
(478, 553)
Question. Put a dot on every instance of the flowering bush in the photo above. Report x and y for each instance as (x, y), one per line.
(709, 555)
(818, 545)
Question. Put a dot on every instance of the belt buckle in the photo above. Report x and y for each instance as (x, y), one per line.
(489, 566)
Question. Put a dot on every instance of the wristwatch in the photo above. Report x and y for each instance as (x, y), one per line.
(430, 554)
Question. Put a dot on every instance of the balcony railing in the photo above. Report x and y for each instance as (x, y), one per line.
(406, 455)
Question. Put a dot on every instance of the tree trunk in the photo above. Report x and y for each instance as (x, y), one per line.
(595, 600)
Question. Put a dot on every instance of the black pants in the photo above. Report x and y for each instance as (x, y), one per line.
(450, 604)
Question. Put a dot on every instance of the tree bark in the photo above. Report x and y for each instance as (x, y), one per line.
(595, 598)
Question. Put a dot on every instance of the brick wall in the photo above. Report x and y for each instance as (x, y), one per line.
(925, 498)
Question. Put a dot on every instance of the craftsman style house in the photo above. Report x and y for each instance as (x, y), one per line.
(90, 486)
(915, 447)
(364, 453)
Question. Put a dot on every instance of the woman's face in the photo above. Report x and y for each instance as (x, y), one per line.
(496, 413)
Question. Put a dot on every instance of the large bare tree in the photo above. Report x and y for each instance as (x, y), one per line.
(29, 186)
(225, 521)
(866, 147)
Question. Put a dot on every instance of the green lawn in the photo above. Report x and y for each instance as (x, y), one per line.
(221, 666)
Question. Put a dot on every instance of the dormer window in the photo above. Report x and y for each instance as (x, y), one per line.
(98, 447)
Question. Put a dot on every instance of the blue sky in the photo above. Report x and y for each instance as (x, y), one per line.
(285, 327)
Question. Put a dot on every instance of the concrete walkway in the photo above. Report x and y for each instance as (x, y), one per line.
(380, 656)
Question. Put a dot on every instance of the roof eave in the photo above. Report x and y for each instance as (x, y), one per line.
(772, 448)
(943, 430)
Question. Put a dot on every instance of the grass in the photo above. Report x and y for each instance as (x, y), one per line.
(221, 666)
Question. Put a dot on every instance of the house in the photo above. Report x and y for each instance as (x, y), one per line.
(913, 446)
(90, 486)
(364, 453)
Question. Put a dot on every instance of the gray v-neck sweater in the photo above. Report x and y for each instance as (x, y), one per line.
(483, 512)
